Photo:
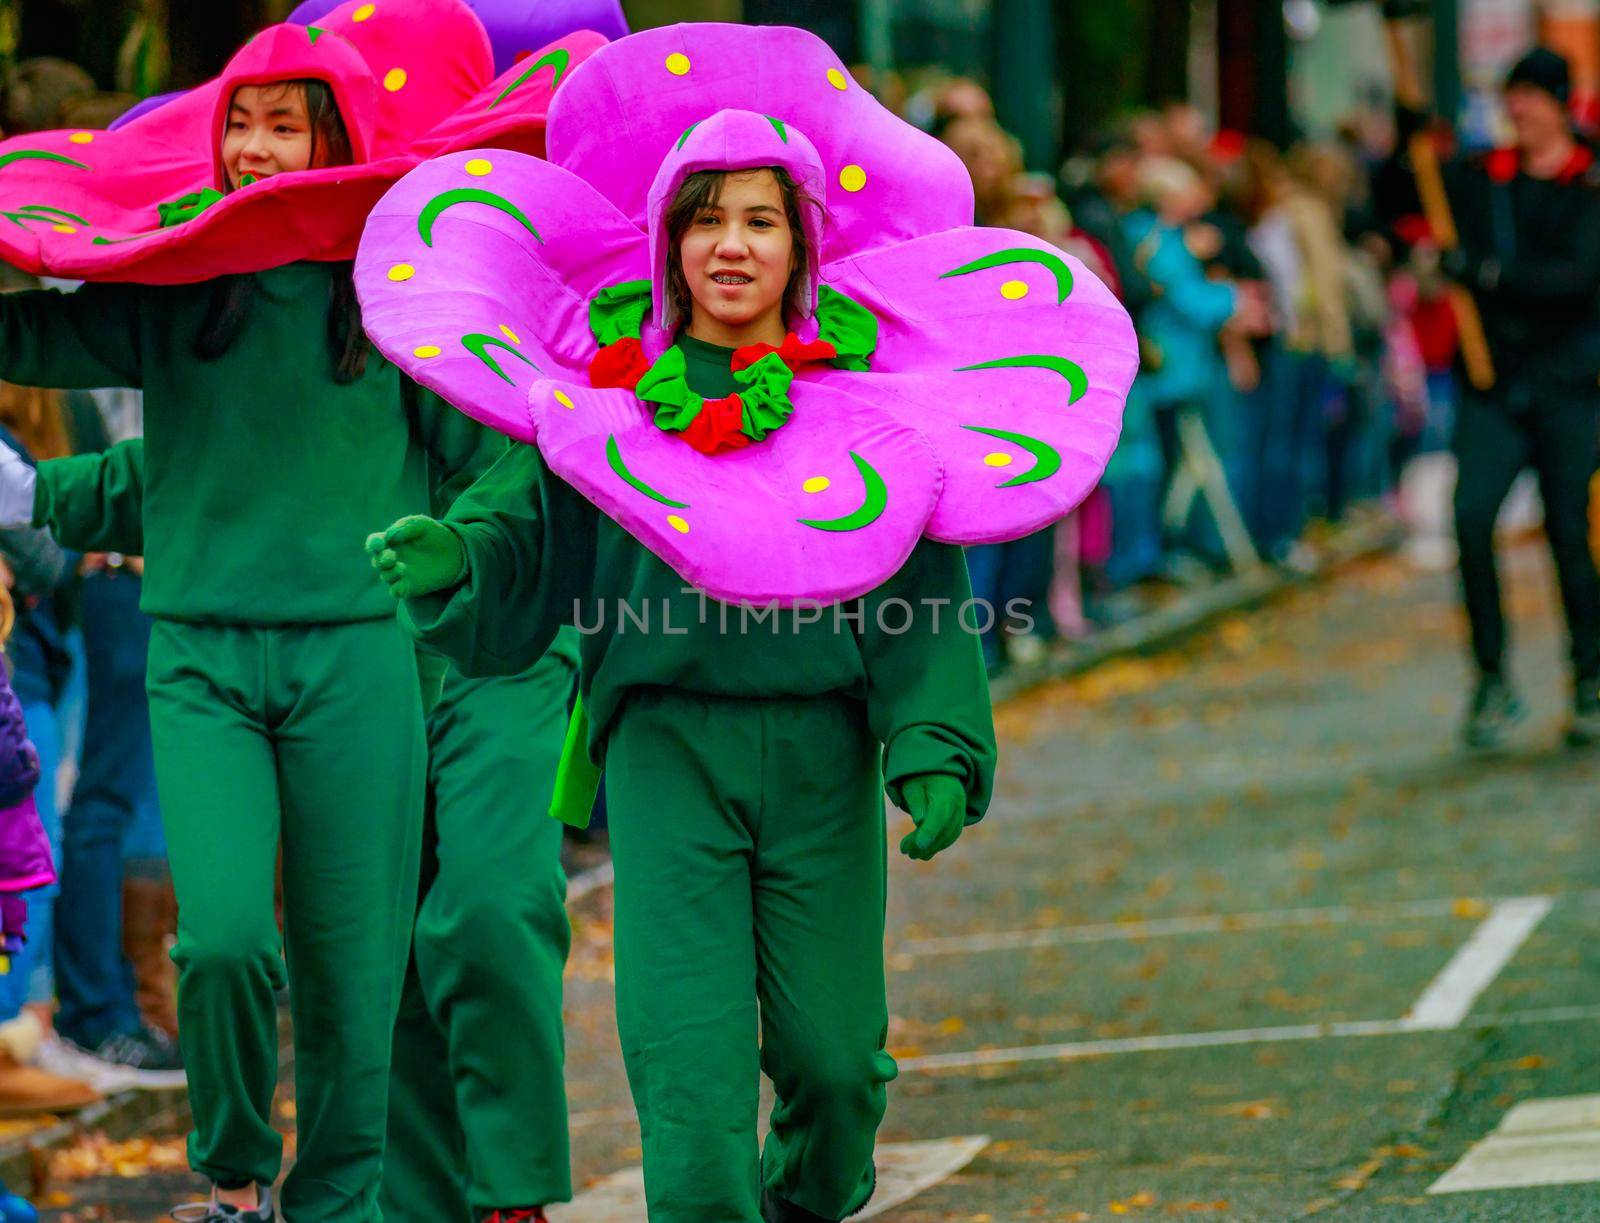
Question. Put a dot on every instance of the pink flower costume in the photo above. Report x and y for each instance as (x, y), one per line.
(141, 202)
(975, 386)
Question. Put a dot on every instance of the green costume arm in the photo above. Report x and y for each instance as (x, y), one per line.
(459, 448)
(94, 502)
(927, 695)
(528, 543)
(85, 339)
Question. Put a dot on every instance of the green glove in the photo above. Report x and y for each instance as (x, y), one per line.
(938, 806)
(418, 556)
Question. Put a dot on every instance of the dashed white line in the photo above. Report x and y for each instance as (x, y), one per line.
(1450, 995)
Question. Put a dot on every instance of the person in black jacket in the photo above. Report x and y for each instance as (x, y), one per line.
(1529, 222)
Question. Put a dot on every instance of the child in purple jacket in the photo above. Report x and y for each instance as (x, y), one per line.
(25, 861)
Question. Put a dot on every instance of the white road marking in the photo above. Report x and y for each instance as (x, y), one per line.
(1165, 927)
(1450, 995)
(1078, 1050)
(905, 1169)
(1539, 1142)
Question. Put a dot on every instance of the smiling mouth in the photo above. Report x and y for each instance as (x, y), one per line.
(731, 278)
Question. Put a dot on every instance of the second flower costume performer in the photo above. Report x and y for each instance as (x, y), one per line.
(285, 704)
(777, 367)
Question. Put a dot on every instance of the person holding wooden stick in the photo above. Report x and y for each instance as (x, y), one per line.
(1528, 221)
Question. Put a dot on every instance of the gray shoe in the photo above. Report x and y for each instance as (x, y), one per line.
(154, 1058)
(1494, 712)
(215, 1212)
(1584, 729)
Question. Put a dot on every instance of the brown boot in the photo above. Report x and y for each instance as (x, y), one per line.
(27, 1091)
(149, 917)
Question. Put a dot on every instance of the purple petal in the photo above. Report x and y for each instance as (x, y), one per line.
(489, 308)
(828, 507)
(634, 100)
(1010, 356)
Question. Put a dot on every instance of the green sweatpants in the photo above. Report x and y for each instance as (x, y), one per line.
(309, 737)
(749, 842)
(477, 1103)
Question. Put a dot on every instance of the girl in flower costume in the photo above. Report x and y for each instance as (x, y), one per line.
(768, 368)
(278, 685)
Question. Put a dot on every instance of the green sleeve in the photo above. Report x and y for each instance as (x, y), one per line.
(927, 694)
(94, 502)
(85, 339)
(529, 541)
(459, 448)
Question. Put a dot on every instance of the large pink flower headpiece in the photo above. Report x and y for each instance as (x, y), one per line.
(146, 202)
(960, 383)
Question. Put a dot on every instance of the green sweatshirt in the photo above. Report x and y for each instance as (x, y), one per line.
(539, 555)
(259, 475)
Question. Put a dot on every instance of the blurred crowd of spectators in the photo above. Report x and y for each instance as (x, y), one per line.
(1291, 363)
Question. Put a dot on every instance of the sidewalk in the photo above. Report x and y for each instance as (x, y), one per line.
(26, 1148)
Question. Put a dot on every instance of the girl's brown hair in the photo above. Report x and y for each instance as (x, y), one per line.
(234, 295)
(699, 194)
(33, 415)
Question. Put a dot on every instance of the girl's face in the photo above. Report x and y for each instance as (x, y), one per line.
(737, 258)
(267, 132)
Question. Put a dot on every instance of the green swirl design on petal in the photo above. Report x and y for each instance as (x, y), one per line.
(42, 212)
(614, 457)
(559, 59)
(687, 132)
(872, 505)
(477, 342)
(469, 195)
(1021, 254)
(1070, 370)
(777, 126)
(104, 241)
(39, 155)
(1046, 458)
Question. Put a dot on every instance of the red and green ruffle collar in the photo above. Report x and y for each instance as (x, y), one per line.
(847, 336)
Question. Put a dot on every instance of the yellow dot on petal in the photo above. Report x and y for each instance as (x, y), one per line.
(401, 271)
(1014, 290)
(838, 79)
(396, 79)
(816, 484)
(65, 229)
(565, 400)
(479, 166)
(509, 334)
(425, 351)
(677, 524)
(678, 65)
(81, 137)
(365, 11)
(997, 459)
(852, 178)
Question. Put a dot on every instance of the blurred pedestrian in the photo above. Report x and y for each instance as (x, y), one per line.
(1529, 222)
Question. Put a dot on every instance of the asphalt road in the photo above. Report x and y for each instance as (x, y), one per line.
(1245, 935)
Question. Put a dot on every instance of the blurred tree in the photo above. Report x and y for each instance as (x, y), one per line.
(829, 20)
(1025, 76)
(144, 62)
(203, 34)
(643, 14)
(1099, 78)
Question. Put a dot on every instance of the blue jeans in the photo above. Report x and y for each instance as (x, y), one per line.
(1283, 444)
(114, 823)
(30, 978)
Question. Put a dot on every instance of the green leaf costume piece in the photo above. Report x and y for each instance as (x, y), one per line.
(849, 326)
(617, 311)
